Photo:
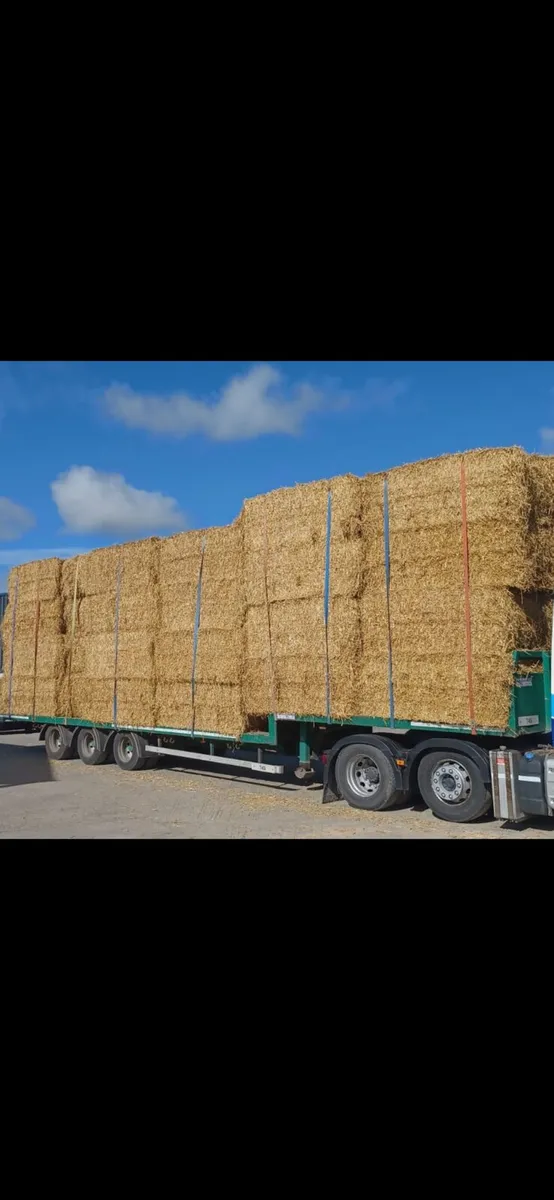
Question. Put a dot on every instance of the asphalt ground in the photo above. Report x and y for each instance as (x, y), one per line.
(70, 800)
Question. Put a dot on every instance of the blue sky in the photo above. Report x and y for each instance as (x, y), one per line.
(97, 452)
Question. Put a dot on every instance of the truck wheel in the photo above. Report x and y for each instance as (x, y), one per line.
(128, 751)
(90, 748)
(452, 786)
(56, 744)
(365, 778)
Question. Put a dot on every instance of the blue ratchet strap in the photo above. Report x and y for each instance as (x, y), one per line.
(386, 531)
(326, 589)
(116, 636)
(197, 625)
(12, 647)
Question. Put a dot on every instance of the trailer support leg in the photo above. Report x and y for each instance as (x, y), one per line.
(304, 769)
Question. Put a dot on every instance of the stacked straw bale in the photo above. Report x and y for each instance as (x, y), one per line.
(99, 665)
(138, 623)
(39, 647)
(211, 700)
(427, 607)
(263, 644)
(541, 473)
(179, 567)
(510, 519)
(88, 598)
(284, 570)
(361, 652)
(218, 686)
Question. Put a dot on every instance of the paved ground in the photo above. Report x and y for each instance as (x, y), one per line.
(105, 802)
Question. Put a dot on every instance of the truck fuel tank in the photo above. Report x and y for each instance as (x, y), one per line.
(522, 783)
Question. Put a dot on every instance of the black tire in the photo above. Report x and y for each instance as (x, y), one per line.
(128, 751)
(56, 743)
(91, 748)
(455, 775)
(371, 786)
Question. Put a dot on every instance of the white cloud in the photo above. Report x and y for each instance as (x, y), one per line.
(381, 393)
(15, 520)
(92, 501)
(547, 439)
(248, 406)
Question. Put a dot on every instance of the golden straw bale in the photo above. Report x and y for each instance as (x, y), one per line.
(94, 656)
(49, 698)
(285, 533)
(22, 692)
(256, 632)
(92, 700)
(178, 606)
(373, 678)
(183, 547)
(173, 704)
(97, 571)
(300, 686)
(95, 614)
(140, 561)
(47, 614)
(426, 518)
(219, 657)
(139, 611)
(139, 586)
(135, 656)
(173, 657)
(36, 580)
(220, 633)
(431, 681)
(218, 709)
(284, 546)
(48, 660)
(259, 694)
(357, 630)
(297, 627)
(180, 558)
(299, 656)
(257, 668)
(136, 702)
(347, 548)
(345, 664)
(541, 472)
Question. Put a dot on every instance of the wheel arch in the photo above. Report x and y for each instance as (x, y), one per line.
(69, 733)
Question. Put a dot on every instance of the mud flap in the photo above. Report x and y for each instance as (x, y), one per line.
(329, 793)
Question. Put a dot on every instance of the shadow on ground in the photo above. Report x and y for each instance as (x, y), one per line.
(286, 782)
(23, 764)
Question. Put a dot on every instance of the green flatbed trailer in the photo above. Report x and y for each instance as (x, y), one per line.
(371, 762)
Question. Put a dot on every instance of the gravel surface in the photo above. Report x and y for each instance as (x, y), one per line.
(105, 802)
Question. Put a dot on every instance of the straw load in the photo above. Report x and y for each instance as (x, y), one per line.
(33, 641)
(112, 678)
(392, 595)
(427, 602)
(198, 680)
(284, 566)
